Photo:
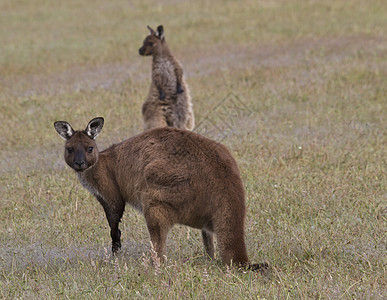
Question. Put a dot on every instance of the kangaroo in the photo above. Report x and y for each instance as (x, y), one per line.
(171, 176)
(168, 102)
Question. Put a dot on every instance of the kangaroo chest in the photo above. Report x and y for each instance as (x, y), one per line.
(90, 187)
(163, 69)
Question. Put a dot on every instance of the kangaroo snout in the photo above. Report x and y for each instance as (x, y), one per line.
(80, 165)
(141, 51)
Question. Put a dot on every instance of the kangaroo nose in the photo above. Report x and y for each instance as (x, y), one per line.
(141, 51)
(79, 164)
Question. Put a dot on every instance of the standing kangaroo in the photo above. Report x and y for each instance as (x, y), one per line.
(168, 102)
(171, 176)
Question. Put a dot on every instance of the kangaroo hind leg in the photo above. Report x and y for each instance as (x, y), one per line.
(208, 242)
(158, 222)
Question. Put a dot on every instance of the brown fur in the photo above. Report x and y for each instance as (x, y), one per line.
(171, 176)
(168, 102)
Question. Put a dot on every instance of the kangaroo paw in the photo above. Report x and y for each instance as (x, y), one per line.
(162, 95)
(179, 89)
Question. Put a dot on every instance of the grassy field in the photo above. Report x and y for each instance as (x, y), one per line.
(310, 142)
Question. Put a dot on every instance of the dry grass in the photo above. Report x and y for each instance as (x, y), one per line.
(312, 149)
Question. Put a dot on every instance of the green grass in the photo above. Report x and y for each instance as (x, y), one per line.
(312, 153)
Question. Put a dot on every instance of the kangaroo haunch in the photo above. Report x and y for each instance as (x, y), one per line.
(171, 176)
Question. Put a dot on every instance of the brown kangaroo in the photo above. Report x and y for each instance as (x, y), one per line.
(168, 102)
(171, 176)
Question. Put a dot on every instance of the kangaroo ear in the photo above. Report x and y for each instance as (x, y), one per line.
(151, 31)
(94, 127)
(64, 129)
(160, 32)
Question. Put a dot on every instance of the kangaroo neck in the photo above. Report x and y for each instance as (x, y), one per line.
(90, 178)
(163, 53)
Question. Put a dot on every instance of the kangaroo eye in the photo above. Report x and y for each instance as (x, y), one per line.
(90, 149)
(69, 150)
(150, 44)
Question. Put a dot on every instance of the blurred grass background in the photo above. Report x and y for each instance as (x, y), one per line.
(312, 153)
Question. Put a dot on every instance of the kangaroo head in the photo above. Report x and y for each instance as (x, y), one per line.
(81, 151)
(153, 42)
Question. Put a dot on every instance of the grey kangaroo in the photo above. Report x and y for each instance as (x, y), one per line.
(169, 175)
(168, 102)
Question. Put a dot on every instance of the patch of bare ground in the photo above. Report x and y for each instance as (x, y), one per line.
(285, 53)
(39, 254)
(31, 159)
(74, 79)
(198, 62)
